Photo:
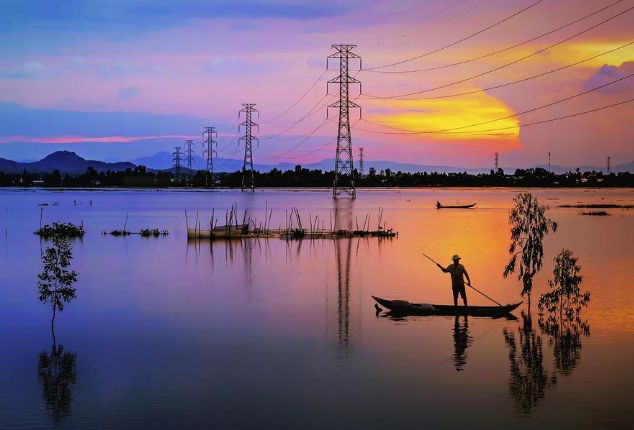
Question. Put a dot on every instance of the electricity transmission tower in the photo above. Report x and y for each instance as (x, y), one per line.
(189, 151)
(497, 162)
(344, 179)
(177, 162)
(608, 164)
(549, 161)
(361, 161)
(248, 176)
(209, 152)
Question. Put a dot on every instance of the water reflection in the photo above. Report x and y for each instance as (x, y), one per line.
(56, 371)
(461, 341)
(343, 249)
(565, 341)
(529, 378)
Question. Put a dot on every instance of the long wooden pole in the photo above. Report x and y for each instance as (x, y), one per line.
(471, 286)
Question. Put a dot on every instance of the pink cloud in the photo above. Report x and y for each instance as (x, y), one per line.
(83, 139)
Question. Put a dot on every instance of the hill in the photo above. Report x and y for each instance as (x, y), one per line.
(65, 162)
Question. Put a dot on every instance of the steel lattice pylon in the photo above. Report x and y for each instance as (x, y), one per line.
(209, 152)
(248, 176)
(177, 163)
(189, 152)
(344, 167)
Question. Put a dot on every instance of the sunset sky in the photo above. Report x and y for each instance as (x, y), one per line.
(121, 79)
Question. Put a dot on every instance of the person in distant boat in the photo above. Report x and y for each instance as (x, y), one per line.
(438, 205)
(458, 273)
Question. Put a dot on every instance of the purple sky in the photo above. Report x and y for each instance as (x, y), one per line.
(118, 79)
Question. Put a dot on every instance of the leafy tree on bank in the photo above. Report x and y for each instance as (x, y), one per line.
(529, 226)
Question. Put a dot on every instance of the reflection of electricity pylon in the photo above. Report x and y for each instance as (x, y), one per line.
(343, 253)
(189, 151)
(177, 163)
(344, 169)
(343, 291)
(209, 152)
(248, 179)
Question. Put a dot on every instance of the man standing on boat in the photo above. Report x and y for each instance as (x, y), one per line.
(458, 273)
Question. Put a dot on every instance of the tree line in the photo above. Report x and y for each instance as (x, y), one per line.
(302, 177)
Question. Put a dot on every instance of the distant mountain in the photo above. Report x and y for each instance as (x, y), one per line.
(163, 161)
(71, 163)
(65, 162)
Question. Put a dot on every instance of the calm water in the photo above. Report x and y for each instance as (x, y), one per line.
(275, 334)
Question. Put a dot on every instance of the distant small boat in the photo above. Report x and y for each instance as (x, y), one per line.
(441, 206)
(403, 307)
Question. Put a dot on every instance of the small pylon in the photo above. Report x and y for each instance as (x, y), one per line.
(209, 152)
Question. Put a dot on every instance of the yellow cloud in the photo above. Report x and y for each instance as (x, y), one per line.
(576, 51)
(452, 113)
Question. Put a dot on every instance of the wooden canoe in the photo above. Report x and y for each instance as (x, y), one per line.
(441, 206)
(404, 307)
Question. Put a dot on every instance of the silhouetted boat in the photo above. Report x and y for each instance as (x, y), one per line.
(441, 206)
(404, 307)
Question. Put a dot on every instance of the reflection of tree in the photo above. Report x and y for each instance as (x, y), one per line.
(565, 339)
(461, 341)
(56, 372)
(561, 312)
(529, 380)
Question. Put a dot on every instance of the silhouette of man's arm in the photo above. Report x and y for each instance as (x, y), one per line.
(466, 275)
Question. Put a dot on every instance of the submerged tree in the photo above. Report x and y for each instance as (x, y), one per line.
(529, 225)
(560, 312)
(56, 280)
(566, 298)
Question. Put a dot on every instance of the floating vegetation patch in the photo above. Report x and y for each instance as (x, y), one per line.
(595, 213)
(154, 232)
(145, 232)
(598, 206)
(61, 230)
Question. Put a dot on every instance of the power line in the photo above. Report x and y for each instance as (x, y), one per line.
(528, 78)
(306, 137)
(458, 41)
(313, 85)
(310, 113)
(527, 124)
(499, 51)
(407, 32)
(565, 99)
(327, 144)
(398, 96)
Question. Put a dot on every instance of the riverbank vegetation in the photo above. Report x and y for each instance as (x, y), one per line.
(301, 177)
